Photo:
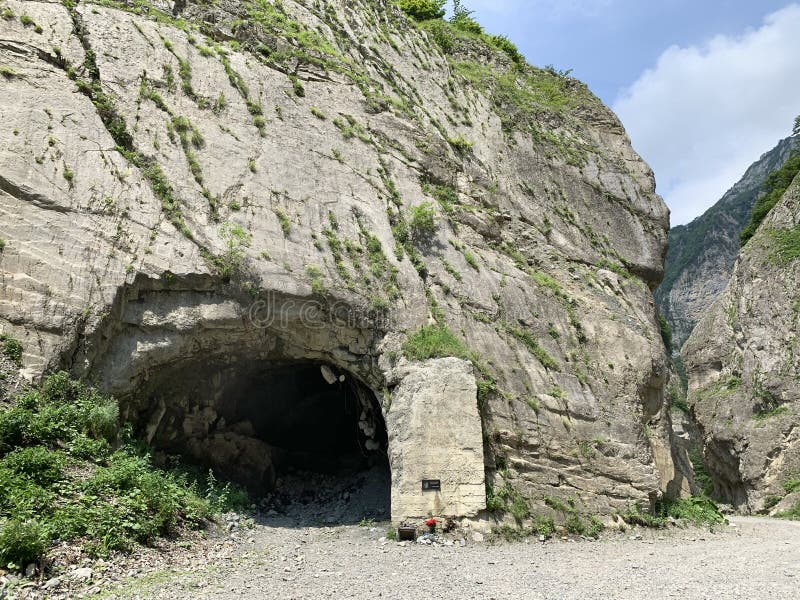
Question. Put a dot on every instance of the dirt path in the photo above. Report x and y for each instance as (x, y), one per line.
(753, 558)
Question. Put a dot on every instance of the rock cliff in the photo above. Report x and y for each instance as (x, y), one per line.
(701, 254)
(193, 193)
(743, 367)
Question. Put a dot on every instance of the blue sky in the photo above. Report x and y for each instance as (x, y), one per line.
(703, 88)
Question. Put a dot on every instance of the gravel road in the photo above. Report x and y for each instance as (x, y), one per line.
(752, 558)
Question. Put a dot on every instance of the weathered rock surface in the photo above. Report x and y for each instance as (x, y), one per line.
(701, 254)
(435, 435)
(186, 201)
(743, 366)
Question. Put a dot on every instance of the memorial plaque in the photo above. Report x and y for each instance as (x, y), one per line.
(431, 485)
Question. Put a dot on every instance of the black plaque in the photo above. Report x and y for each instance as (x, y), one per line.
(431, 485)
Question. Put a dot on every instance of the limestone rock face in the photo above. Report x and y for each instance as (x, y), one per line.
(702, 254)
(743, 367)
(188, 198)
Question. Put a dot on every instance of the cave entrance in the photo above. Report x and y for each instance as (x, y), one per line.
(305, 438)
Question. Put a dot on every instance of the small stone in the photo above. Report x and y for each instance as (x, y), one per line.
(30, 570)
(82, 574)
(477, 536)
(51, 583)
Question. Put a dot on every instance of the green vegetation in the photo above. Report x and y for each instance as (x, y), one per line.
(697, 510)
(317, 283)
(229, 264)
(533, 346)
(12, 349)
(787, 244)
(575, 522)
(763, 414)
(8, 72)
(471, 260)
(666, 332)
(422, 221)
(318, 113)
(507, 499)
(452, 271)
(69, 176)
(422, 10)
(460, 144)
(68, 472)
(286, 224)
(446, 196)
(774, 189)
(434, 341)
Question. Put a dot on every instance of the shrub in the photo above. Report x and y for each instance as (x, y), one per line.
(317, 283)
(699, 510)
(501, 42)
(422, 10)
(39, 464)
(460, 144)
(422, 221)
(230, 263)
(462, 19)
(12, 348)
(286, 224)
(21, 543)
(69, 176)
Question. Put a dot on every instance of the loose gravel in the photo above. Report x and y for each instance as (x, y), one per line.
(750, 558)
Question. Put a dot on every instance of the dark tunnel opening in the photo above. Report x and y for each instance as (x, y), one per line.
(300, 436)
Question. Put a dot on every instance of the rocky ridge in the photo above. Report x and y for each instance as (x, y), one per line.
(743, 369)
(168, 171)
(701, 254)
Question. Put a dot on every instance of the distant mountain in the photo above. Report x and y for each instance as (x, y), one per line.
(701, 254)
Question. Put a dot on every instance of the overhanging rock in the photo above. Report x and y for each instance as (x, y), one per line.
(435, 434)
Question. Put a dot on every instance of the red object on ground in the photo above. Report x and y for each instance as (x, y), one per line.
(430, 522)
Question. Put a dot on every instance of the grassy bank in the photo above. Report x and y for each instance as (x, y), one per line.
(69, 472)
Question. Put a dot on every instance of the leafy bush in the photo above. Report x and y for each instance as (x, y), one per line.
(501, 42)
(12, 349)
(422, 10)
(21, 543)
(422, 221)
(699, 510)
(230, 263)
(125, 500)
(39, 464)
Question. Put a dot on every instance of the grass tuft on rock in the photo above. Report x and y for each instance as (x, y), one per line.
(434, 341)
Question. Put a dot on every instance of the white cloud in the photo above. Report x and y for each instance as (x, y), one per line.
(704, 113)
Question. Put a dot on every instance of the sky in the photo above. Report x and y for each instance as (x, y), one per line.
(703, 87)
